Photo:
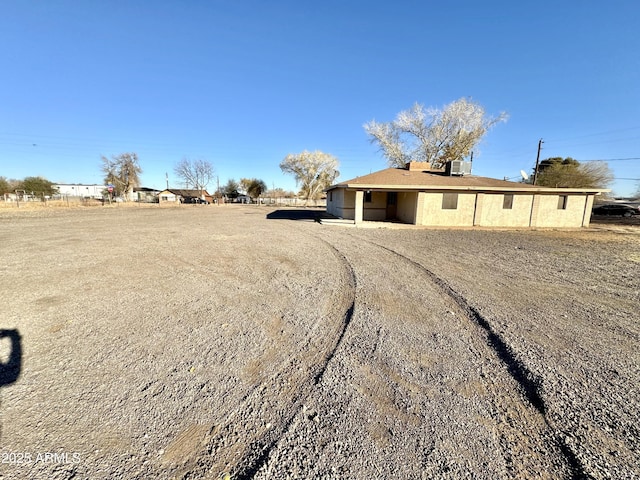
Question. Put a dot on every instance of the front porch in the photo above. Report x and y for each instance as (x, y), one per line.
(378, 206)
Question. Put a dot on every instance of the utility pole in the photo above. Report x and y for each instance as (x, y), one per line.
(218, 194)
(166, 176)
(535, 172)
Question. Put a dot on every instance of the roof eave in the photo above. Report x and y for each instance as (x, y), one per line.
(475, 188)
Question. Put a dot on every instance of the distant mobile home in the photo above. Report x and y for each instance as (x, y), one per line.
(421, 195)
(80, 190)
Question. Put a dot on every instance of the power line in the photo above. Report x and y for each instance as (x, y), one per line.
(611, 159)
(609, 132)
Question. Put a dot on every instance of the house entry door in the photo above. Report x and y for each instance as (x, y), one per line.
(392, 202)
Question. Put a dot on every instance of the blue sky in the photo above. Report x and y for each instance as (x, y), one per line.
(244, 83)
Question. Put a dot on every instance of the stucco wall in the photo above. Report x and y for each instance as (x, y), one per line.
(167, 197)
(342, 203)
(434, 215)
(376, 210)
(334, 201)
(490, 211)
(549, 215)
(406, 207)
(474, 208)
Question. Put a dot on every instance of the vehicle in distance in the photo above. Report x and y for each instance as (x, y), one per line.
(616, 209)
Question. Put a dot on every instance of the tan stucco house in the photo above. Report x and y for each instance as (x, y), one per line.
(175, 195)
(421, 195)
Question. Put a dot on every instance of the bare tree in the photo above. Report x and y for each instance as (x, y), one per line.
(432, 135)
(123, 172)
(195, 173)
(313, 171)
(243, 185)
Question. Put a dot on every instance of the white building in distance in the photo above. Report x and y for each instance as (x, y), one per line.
(80, 190)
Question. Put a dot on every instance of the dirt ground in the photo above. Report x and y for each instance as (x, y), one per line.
(248, 342)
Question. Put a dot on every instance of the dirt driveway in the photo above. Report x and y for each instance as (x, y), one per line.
(204, 341)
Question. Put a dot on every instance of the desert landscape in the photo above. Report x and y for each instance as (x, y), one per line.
(241, 341)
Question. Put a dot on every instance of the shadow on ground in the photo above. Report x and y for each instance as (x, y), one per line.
(611, 220)
(11, 362)
(10, 369)
(304, 214)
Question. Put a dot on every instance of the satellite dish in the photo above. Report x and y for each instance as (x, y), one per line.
(524, 175)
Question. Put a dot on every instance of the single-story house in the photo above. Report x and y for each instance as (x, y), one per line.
(421, 195)
(145, 195)
(243, 199)
(184, 196)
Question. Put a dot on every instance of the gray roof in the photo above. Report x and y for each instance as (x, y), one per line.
(187, 193)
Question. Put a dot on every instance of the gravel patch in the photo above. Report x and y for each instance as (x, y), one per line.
(204, 341)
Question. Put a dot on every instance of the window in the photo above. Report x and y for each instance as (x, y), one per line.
(562, 202)
(507, 201)
(331, 196)
(367, 197)
(449, 201)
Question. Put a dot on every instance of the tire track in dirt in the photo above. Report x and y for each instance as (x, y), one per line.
(527, 381)
(518, 371)
(348, 315)
(242, 445)
(403, 404)
(248, 467)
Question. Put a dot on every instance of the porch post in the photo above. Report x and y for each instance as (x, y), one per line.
(586, 218)
(418, 215)
(359, 206)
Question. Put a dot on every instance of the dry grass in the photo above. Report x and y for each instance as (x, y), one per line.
(79, 203)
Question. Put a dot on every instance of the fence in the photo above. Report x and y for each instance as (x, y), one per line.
(62, 200)
(17, 201)
(293, 202)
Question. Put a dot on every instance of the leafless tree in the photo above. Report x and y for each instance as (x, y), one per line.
(195, 173)
(123, 172)
(313, 171)
(432, 135)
